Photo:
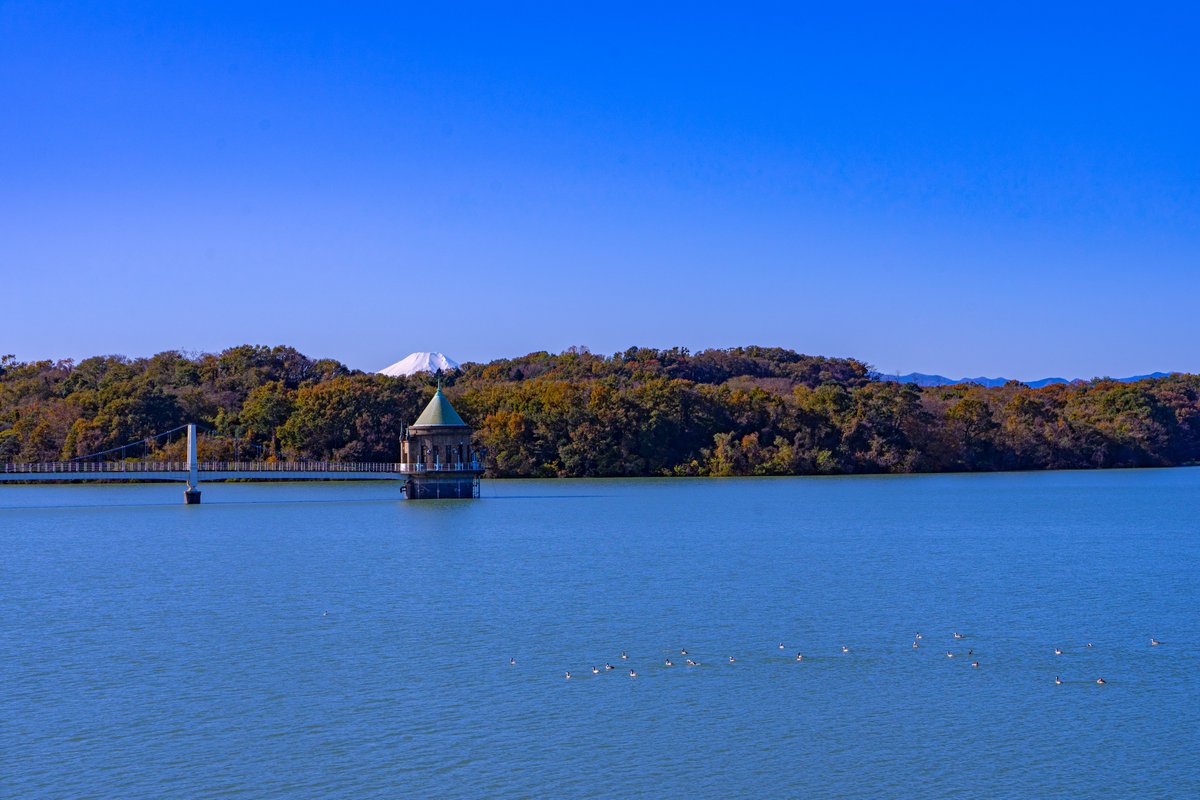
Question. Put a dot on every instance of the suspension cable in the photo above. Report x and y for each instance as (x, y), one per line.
(144, 441)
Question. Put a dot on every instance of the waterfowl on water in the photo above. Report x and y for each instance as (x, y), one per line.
(624, 656)
(949, 654)
(512, 662)
(632, 674)
(974, 663)
(1057, 652)
(568, 675)
(958, 635)
(731, 659)
(683, 652)
(1101, 681)
(918, 635)
(781, 645)
(915, 645)
(1057, 681)
(1089, 644)
(595, 671)
(691, 663)
(668, 663)
(609, 666)
(799, 657)
(1155, 641)
(845, 649)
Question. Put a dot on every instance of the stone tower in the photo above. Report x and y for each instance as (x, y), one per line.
(437, 455)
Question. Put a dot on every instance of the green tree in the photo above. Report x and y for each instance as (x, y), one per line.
(266, 410)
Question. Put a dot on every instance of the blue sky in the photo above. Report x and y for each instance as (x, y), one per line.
(943, 187)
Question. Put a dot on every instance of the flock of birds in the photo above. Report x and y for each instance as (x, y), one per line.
(667, 662)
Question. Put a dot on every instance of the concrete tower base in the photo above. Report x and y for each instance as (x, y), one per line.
(442, 487)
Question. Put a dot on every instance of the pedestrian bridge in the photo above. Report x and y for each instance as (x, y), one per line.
(192, 471)
(208, 470)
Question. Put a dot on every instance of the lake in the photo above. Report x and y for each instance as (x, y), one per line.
(332, 640)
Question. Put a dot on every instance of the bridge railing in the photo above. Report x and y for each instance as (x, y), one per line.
(95, 466)
(57, 467)
(298, 466)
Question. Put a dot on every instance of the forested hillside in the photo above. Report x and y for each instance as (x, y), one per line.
(743, 411)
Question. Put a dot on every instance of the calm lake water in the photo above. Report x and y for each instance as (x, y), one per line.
(332, 640)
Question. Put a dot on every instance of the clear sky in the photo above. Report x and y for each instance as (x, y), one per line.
(963, 188)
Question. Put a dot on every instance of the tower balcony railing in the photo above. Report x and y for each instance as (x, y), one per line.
(445, 466)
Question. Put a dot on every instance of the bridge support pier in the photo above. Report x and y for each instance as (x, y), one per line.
(191, 495)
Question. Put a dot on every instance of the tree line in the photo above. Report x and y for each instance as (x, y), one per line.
(737, 411)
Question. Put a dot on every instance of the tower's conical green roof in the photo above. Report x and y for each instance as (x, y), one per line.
(439, 412)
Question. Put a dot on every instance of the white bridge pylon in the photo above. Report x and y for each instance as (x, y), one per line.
(191, 495)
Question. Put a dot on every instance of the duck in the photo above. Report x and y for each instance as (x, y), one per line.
(1057, 652)
(595, 670)
(949, 654)
(632, 674)
(1089, 644)
(799, 657)
(512, 662)
(958, 635)
(732, 659)
(609, 666)
(845, 649)
(1057, 681)
(781, 645)
(624, 656)
(974, 663)
(1101, 681)
(915, 645)
(691, 663)
(918, 636)
(568, 675)
(1155, 642)
(668, 663)
(683, 652)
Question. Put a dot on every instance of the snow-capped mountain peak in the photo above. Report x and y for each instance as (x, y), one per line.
(419, 362)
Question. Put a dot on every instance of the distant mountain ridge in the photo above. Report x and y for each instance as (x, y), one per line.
(921, 379)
